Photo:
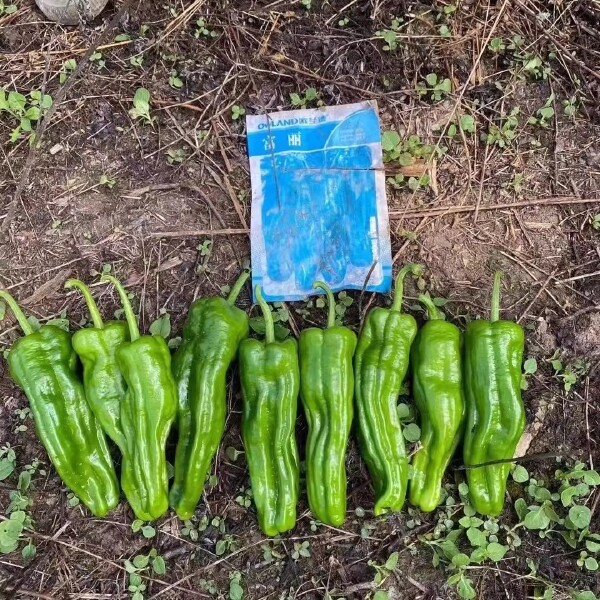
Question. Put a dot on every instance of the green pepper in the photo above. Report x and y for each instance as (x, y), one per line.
(495, 411)
(327, 389)
(102, 380)
(43, 364)
(437, 389)
(270, 378)
(147, 412)
(380, 365)
(211, 336)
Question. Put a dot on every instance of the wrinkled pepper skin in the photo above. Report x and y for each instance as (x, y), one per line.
(147, 412)
(493, 355)
(437, 386)
(327, 390)
(103, 382)
(270, 378)
(43, 364)
(211, 337)
(380, 365)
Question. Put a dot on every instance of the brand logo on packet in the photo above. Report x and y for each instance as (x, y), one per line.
(274, 123)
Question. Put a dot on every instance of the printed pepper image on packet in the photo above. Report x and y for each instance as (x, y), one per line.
(319, 209)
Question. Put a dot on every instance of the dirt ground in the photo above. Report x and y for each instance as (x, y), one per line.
(104, 188)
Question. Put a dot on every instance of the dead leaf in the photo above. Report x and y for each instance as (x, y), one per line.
(48, 288)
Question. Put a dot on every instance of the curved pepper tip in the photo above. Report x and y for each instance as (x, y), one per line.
(415, 269)
(134, 332)
(330, 299)
(17, 312)
(89, 300)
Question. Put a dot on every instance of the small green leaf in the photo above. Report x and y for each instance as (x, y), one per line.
(467, 123)
(129, 566)
(60, 323)
(140, 561)
(479, 555)
(9, 535)
(162, 326)
(236, 592)
(591, 477)
(148, 531)
(546, 112)
(592, 546)
(29, 551)
(33, 113)
(220, 547)
(566, 496)
(24, 481)
(530, 366)
(137, 525)
(591, 564)
(159, 566)
(232, 454)
(496, 552)
(380, 595)
(449, 548)
(141, 98)
(431, 79)
(460, 560)
(445, 86)
(174, 343)
(7, 466)
(389, 140)
(392, 561)
(520, 474)
(580, 516)
(536, 518)
(412, 432)
(311, 94)
(403, 411)
(476, 536)
(465, 588)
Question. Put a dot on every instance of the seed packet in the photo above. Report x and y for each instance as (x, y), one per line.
(319, 209)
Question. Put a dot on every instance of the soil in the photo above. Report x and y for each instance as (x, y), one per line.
(187, 172)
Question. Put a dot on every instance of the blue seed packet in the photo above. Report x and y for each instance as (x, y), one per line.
(319, 210)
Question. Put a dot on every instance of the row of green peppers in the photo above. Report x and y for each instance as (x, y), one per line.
(462, 388)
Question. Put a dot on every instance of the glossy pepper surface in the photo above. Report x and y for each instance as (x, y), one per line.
(211, 337)
(147, 412)
(380, 365)
(270, 379)
(326, 390)
(103, 382)
(43, 364)
(493, 354)
(436, 365)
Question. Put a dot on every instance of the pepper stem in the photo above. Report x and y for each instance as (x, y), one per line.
(330, 302)
(495, 306)
(267, 316)
(237, 287)
(433, 312)
(134, 331)
(414, 269)
(89, 300)
(16, 310)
